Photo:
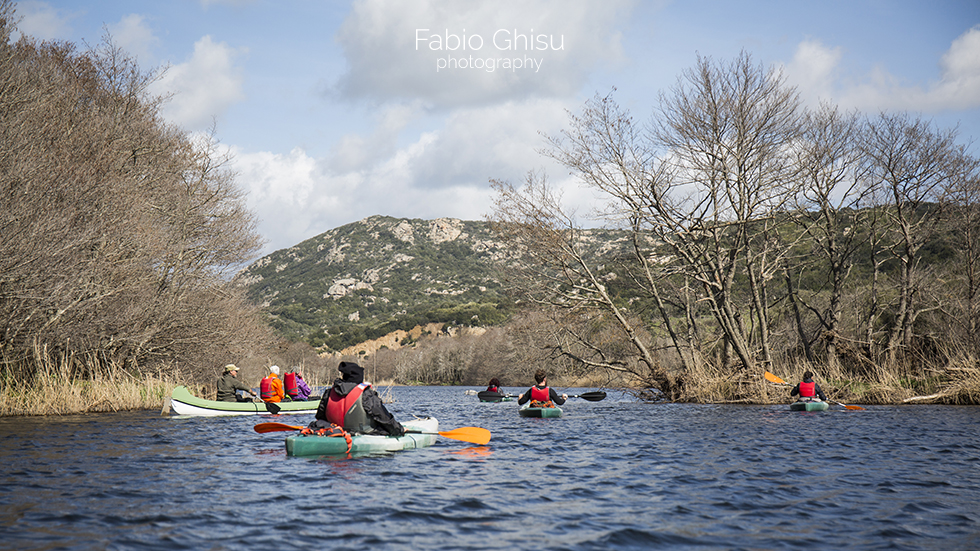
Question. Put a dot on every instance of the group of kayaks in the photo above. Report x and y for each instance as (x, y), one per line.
(419, 432)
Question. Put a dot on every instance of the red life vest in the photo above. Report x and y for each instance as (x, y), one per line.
(348, 411)
(540, 394)
(808, 390)
(266, 388)
(292, 388)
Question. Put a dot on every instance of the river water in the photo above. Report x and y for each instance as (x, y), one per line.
(615, 474)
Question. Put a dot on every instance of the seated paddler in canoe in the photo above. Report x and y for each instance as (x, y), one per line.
(541, 395)
(810, 395)
(229, 385)
(295, 387)
(352, 405)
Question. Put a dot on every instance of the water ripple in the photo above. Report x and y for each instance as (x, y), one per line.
(615, 474)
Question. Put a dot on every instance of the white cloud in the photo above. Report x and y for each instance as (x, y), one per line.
(815, 70)
(203, 86)
(390, 53)
(445, 172)
(133, 36)
(354, 152)
(42, 21)
(960, 84)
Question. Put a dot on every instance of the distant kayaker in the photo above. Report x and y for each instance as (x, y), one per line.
(229, 385)
(271, 386)
(354, 405)
(807, 390)
(494, 385)
(540, 391)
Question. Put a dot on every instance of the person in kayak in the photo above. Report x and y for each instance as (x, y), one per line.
(541, 393)
(271, 386)
(229, 385)
(494, 385)
(807, 390)
(354, 405)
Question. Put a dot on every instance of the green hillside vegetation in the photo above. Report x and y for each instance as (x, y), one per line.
(366, 279)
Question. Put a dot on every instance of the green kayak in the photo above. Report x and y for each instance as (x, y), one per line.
(182, 402)
(420, 433)
(526, 411)
(489, 396)
(809, 406)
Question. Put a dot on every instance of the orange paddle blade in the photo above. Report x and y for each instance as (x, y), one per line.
(263, 428)
(474, 435)
(774, 379)
(850, 407)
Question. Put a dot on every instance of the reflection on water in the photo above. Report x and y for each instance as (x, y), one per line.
(614, 474)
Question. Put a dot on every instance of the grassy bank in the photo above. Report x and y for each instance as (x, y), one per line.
(956, 383)
(56, 386)
(57, 396)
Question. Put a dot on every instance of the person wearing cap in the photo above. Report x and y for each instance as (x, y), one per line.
(229, 385)
(354, 405)
(271, 386)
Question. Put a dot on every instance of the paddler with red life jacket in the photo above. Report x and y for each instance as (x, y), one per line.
(271, 386)
(808, 390)
(354, 405)
(541, 393)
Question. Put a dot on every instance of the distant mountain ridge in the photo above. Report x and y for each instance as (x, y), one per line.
(379, 274)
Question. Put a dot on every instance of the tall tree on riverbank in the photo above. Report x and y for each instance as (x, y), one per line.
(119, 230)
(701, 190)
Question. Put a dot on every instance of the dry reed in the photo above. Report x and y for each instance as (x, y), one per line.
(54, 388)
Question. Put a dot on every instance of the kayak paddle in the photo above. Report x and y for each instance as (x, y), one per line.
(263, 428)
(774, 379)
(590, 396)
(845, 405)
(474, 435)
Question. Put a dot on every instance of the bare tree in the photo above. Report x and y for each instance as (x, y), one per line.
(962, 196)
(909, 162)
(827, 209)
(119, 231)
(727, 131)
(554, 272)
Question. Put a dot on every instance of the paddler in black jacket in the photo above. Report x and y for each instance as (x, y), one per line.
(354, 405)
(541, 392)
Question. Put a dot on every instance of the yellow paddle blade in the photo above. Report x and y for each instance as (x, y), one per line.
(263, 428)
(774, 379)
(474, 435)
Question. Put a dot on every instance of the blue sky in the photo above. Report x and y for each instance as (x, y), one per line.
(337, 110)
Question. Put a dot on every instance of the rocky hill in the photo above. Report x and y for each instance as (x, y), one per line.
(381, 274)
